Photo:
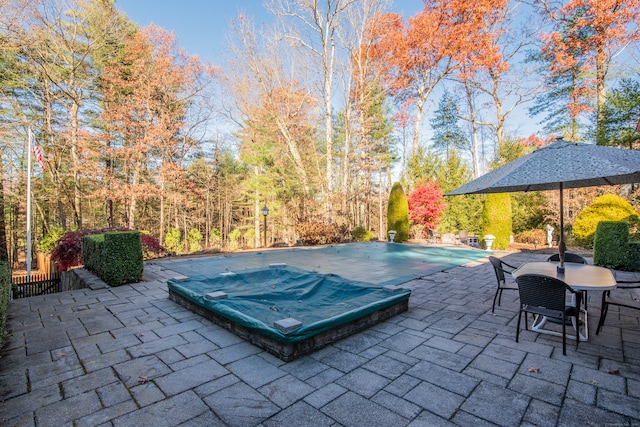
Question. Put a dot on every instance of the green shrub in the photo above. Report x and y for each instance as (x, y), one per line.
(398, 213)
(612, 249)
(496, 219)
(173, 240)
(50, 239)
(123, 262)
(250, 237)
(92, 251)
(5, 289)
(608, 207)
(194, 239)
(234, 239)
(215, 237)
(116, 257)
(361, 234)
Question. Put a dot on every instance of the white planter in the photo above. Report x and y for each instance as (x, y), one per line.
(392, 235)
(488, 241)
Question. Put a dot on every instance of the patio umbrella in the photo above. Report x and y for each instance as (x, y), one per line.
(558, 166)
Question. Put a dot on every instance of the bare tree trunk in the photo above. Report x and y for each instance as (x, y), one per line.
(601, 94)
(4, 253)
(75, 159)
(475, 157)
(161, 232)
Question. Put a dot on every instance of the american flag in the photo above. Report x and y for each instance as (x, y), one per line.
(38, 154)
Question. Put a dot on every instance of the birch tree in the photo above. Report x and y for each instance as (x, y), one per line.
(318, 34)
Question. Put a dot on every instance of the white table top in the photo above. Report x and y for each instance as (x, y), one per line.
(580, 277)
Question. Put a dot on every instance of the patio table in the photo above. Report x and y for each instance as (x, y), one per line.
(580, 277)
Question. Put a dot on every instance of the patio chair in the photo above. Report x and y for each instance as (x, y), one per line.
(499, 269)
(627, 302)
(463, 237)
(576, 259)
(568, 257)
(545, 296)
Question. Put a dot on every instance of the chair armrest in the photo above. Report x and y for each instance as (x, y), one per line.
(627, 284)
(508, 265)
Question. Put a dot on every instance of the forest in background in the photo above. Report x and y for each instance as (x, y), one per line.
(313, 116)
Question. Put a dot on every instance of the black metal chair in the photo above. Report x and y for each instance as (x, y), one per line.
(499, 269)
(576, 259)
(568, 257)
(546, 296)
(608, 300)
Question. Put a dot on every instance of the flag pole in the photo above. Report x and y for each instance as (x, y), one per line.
(29, 206)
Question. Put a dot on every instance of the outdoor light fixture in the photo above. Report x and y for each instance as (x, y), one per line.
(265, 212)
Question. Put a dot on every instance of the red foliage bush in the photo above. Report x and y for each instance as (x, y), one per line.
(426, 204)
(67, 252)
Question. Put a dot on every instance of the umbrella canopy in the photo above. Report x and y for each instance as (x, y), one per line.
(557, 166)
(571, 164)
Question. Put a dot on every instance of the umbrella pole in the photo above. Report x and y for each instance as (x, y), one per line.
(561, 246)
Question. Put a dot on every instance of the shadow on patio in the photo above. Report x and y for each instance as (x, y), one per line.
(128, 356)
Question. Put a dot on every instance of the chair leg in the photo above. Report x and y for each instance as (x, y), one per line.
(495, 297)
(603, 311)
(564, 336)
(577, 313)
(518, 327)
(578, 329)
(584, 298)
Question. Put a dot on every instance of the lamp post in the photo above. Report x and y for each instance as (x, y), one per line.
(265, 212)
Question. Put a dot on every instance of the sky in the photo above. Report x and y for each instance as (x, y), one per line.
(200, 25)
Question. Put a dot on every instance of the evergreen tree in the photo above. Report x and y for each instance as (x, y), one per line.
(398, 213)
(462, 212)
(496, 219)
(553, 105)
(447, 135)
(621, 113)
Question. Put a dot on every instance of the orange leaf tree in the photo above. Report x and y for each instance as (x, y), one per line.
(587, 35)
(148, 91)
(416, 54)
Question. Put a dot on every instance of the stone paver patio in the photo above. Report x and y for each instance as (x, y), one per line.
(128, 356)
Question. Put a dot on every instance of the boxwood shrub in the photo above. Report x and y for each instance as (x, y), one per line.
(92, 251)
(5, 288)
(612, 248)
(116, 257)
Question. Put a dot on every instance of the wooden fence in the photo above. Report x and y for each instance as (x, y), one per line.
(44, 280)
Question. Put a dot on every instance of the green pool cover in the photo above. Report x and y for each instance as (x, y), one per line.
(379, 263)
(258, 298)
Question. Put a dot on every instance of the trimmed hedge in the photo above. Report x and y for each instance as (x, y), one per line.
(5, 289)
(496, 219)
(398, 213)
(92, 251)
(612, 248)
(116, 257)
